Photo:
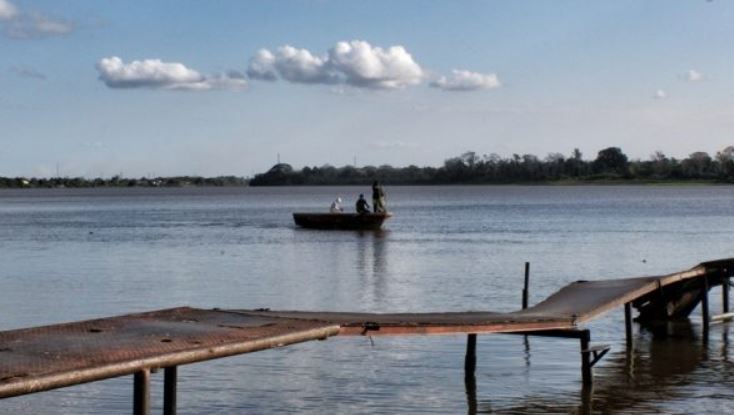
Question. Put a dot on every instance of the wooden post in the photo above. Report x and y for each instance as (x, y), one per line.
(169, 390)
(705, 306)
(725, 291)
(470, 360)
(628, 324)
(586, 376)
(525, 289)
(141, 392)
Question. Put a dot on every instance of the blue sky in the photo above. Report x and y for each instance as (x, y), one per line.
(98, 88)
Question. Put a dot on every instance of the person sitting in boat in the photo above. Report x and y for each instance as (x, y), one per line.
(336, 206)
(362, 205)
(378, 197)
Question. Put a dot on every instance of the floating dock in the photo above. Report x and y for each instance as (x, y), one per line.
(49, 357)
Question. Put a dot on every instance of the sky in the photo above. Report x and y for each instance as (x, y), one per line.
(181, 87)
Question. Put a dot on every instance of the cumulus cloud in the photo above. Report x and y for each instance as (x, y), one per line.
(462, 80)
(156, 74)
(291, 64)
(660, 94)
(262, 66)
(363, 65)
(693, 75)
(355, 63)
(20, 25)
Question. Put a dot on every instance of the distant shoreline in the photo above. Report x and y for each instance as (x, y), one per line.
(610, 167)
(558, 183)
(121, 182)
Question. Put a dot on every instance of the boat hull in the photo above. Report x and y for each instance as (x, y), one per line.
(341, 221)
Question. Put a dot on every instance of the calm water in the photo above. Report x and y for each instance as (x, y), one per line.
(78, 254)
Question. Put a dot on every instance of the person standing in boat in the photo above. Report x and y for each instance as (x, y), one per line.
(378, 197)
(362, 205)
(336, 206)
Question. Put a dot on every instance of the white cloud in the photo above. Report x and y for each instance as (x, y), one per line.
(292, 64)
(7, 10)
(363, 65)
(660, 94)
(152, 73)
(20, 25)
(355, 63)
(693, 75)
(462, 80)
(300, 66)
(156, 74)
(262, 66)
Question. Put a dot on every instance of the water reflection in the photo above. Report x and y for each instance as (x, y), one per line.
(667, 363)
(470, 383)
(372, 263)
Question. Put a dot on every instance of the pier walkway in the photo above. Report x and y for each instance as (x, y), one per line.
(49, 357)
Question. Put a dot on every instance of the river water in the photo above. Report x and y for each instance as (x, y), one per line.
(71, 254)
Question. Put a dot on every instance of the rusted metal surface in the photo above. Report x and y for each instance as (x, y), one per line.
(575, 303)
(586, 300)
(423, 323)
(43, 358)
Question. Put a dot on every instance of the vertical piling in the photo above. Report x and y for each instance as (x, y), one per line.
(725, 291)
(586, 376)
(525, 287)
(470, 360)
(141, 392)
(169, 390)
(628, 324)
(705, 306)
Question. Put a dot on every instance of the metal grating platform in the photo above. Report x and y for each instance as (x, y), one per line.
(48, 357)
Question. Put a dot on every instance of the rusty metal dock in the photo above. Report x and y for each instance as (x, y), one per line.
(49, 357)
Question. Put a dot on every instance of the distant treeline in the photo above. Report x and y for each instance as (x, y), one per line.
(117, 181)
(610, 165)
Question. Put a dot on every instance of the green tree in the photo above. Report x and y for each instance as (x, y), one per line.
(611, 160)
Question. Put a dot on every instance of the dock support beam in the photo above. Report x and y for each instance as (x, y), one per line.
(586, 377)
(725, 291)
(169, 390)
(590, 355)
(141, 392)
(470, 360)
(628, 324)
(525, 292)
(470, 381)
(705, 306)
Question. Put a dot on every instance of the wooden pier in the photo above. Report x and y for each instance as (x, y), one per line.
(43, 358)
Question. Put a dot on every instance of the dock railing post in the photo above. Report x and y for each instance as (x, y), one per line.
(628, 324)
(169, 390)
(586, 376)
(525, 287)
(141, 392)
(470, 360)
(725, 291)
